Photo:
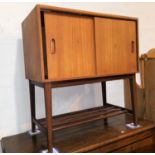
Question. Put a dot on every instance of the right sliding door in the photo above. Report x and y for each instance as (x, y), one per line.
(116, 46)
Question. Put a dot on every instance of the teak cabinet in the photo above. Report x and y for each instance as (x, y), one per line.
(65, 47)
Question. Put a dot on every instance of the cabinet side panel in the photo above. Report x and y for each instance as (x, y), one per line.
(32, 42)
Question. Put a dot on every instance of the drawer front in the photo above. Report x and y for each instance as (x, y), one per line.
(140, 146)
(123, 143)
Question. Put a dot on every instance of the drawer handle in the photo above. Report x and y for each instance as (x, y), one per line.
(132, 46)
(53, 46)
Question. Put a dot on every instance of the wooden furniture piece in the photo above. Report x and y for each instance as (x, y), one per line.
(92, 137)
(146, 90)
(64, 47)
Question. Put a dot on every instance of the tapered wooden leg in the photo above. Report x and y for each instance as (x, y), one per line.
(32, 104)
(104, 97)
(48, 107)
(133, 98)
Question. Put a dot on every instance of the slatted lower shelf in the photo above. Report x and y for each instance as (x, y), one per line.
(81, 117)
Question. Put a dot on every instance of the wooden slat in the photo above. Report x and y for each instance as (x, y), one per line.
(82, 117)
(79, 113)
(93, 112)
(122, 108)
(87, 120)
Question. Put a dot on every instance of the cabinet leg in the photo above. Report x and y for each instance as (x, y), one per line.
(32, 104)
(48, 107)
(133, 98)
(104, 98)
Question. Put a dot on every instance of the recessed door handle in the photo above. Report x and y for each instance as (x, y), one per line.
(132, 46)
(53, 46)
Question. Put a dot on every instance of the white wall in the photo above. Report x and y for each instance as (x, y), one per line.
(14, 97)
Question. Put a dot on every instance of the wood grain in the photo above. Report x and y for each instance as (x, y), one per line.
(92, 137)
(115, 46)
(140, 145)
(48, 109)
(82, 117)
(75, 41)
(127, 145)
(74, 54)
(82, 12)
(32, 43)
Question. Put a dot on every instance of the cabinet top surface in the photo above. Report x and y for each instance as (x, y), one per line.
(41, 7)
